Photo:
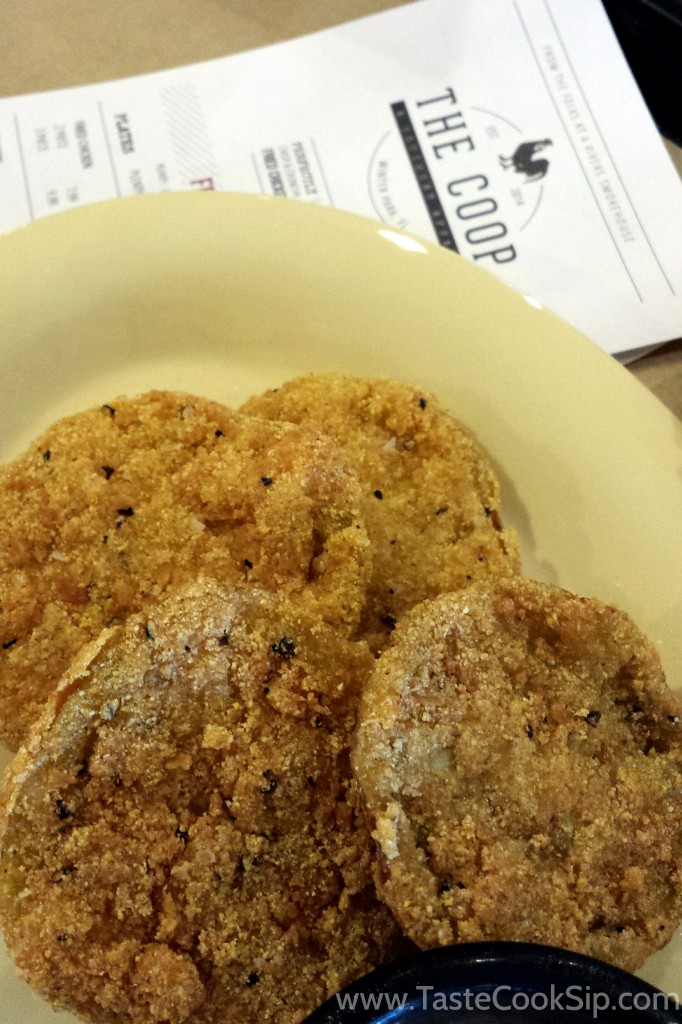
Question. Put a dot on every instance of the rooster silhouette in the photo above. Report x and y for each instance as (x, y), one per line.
(523, 160)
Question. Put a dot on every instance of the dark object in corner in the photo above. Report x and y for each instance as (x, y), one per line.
(650, 35)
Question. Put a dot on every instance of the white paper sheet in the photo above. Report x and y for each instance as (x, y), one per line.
(509, 130)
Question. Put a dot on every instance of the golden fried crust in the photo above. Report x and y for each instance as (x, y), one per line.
(114, 505)
(430, 499)
(520, 757)
(180, 839)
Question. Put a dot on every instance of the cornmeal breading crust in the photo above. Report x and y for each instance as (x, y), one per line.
(430, 499)
(181, 839)
(520, 757)
(113, 506)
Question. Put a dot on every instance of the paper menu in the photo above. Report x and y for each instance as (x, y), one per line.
(509, 130)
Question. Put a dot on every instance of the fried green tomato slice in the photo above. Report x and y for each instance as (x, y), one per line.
(520, 758)
(111, 507)
(180, 838)
(430, 499)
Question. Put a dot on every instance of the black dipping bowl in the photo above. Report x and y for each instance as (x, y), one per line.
(497, 983)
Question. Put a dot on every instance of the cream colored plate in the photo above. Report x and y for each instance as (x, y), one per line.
(224, 295)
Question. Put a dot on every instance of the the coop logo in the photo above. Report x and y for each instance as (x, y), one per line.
(480, 178)
(524, 160)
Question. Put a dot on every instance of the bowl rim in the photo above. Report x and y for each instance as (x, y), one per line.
(485, 966)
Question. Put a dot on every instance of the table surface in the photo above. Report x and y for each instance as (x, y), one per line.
(49, 44)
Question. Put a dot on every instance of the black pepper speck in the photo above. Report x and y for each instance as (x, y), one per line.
(110, 409)
(10, 643)
(108, 471)
(182, 836)
(422, 403)
(69, 869)
(593, 718)
(266, 481)
(271, 782)
(286, 647)
(47, 455)
(252, 980)
(61, 810)
(378, 495)
(126, 512)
